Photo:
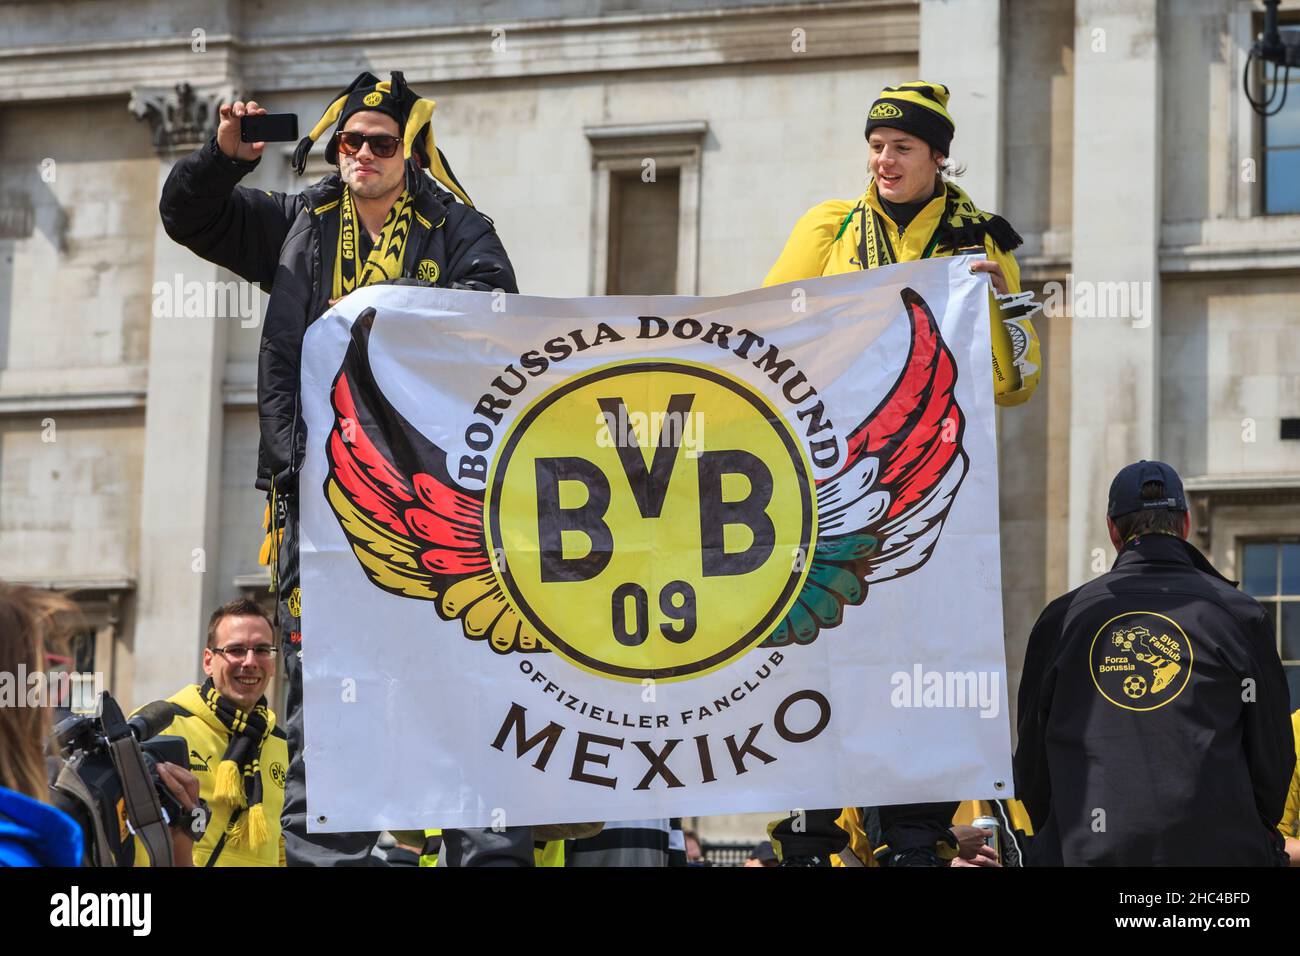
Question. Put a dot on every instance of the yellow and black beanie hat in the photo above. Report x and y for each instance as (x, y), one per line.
(412, 112)
(917, 108)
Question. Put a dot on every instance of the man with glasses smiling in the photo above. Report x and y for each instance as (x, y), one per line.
(380, 218)
(237, 750)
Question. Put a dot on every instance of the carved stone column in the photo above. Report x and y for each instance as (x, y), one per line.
(181, 488)
(1114, 358)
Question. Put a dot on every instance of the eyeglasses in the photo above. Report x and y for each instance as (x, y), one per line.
(382, 145)
(237, 652)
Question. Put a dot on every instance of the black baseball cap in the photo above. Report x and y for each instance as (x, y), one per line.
(1126, 489)
(764, 853)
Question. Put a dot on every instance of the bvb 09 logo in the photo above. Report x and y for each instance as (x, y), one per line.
(629, 559)
(1140, 660)
(636, 551)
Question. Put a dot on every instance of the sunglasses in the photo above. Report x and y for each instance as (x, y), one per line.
(382, 145)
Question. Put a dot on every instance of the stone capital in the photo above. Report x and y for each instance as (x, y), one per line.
(181, 116)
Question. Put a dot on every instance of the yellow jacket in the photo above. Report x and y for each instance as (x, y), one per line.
(850, 821)
(206, 738)
(1290, 825)
(821, 244)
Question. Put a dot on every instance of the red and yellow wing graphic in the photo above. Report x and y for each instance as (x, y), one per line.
(415, 531)
(880, 517)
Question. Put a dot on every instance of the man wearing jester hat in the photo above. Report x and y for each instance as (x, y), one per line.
(381, 217)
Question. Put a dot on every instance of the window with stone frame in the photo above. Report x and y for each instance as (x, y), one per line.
(646, 212)
(1270, 573)
(1281, 140)
(642, 237)
(92, 651)
(1249, 528)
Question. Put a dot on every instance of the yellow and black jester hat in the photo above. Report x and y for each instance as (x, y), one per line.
(413, 113)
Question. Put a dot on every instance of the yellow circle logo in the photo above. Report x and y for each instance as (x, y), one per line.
(427, 270)
(1140, 660)
(373, 99)
(884, 111)
(651, 519)
(294, 603)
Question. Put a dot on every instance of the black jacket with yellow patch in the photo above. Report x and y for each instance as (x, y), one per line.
(1153, 719)
(286, 243)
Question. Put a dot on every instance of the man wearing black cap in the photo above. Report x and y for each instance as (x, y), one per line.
(1153, 709)
(380, 218)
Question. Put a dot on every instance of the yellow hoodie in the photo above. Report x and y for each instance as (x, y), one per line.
(1290, 825)
(206, 738)
(825, 243)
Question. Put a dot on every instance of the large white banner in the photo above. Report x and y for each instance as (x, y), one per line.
(631, 557)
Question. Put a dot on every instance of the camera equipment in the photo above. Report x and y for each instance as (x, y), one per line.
(108, 780)
(1270, 47)
(269, 128)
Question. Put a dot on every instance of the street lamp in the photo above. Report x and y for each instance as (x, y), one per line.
(1271, 48)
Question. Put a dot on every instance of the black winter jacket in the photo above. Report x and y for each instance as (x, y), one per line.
(1153, 719)
(286, 243)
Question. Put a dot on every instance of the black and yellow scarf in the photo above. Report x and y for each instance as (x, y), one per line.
(239, 774)
(961, 226)
(385, 259)
(350, 273)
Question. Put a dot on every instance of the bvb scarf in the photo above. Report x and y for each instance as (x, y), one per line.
(961, 226)
(239, 774)
(383, 263)
(385, 259)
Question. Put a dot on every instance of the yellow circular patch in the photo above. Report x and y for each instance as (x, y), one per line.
(373, 99)
(1140, 660)
(884, 111)
(427, 270)
(651, 519)
(294, 603)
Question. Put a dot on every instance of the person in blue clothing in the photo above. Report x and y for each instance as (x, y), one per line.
(32, 833)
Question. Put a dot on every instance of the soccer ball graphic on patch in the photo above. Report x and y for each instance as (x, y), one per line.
(1135, 685)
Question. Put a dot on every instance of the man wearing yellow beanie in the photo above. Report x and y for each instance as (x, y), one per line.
(909, 212)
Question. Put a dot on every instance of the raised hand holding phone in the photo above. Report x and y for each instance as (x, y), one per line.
(228, 130)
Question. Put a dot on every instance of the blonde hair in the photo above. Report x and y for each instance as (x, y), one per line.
(31, 621)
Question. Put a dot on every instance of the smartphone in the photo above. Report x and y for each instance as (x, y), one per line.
(269, 128)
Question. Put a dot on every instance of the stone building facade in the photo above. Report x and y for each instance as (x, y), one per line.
(1112, 133)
